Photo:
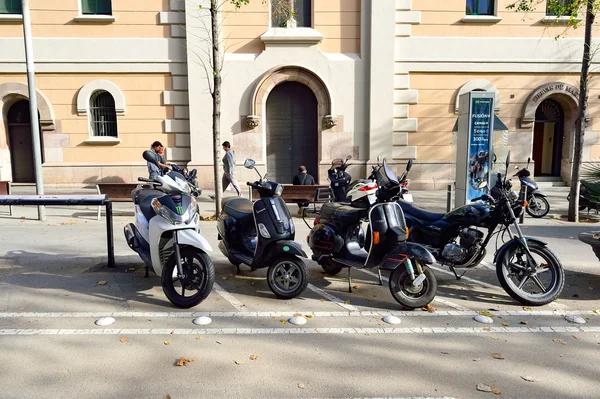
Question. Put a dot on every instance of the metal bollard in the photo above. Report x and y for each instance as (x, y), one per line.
(449, 198)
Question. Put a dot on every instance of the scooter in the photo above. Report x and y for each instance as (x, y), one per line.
(403, 182)
(166, 235)
(537, 204)
(190, 177)
(272, 246)
(339, 179)
(338, 240)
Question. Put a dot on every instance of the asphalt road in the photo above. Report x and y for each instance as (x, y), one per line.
(50, 299)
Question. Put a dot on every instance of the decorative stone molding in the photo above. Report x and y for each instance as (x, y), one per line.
(85, 93)
(17, 89)
(329, 121)
(252, 121)
(565, 91)
(479, 84)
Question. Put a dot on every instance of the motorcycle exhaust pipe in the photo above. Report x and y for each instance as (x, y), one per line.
(130, 237)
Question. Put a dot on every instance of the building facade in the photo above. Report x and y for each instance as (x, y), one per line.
(365, 78)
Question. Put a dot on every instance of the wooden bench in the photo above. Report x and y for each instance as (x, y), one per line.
(5, 189)
(116, 192)
(296, 193)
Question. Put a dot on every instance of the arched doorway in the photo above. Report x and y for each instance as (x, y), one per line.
(292, 131)
(548, 138)
(20, 142)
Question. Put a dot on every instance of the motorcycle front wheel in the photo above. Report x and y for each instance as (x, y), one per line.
(411, 296)
(197, 280)
(287, 277)
(539, 288)
(537, 206)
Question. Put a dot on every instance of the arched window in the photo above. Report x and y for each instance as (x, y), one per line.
(103, 115)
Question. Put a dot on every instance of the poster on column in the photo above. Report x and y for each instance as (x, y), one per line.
(480, 139)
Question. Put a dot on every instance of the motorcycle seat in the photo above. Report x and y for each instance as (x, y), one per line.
(236, 207)
(343, 213)
(144, 200)
(419, 213)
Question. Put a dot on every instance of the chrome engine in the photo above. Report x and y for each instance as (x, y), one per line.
(464, 253)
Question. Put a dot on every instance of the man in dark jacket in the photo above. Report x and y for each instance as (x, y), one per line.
(303, 179)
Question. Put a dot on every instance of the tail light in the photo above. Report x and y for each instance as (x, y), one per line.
(368, 187)
(317, 220)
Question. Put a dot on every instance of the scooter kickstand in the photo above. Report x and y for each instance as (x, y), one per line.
(239, 271)
(147, 272)
(349, 280)
(380, 278)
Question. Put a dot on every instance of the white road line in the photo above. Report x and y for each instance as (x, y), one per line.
(488, 265)
(361, 313)
(332, 298)
(283, 330)
(3, 297)
(230, 298)
(438, 298)
(471, 280)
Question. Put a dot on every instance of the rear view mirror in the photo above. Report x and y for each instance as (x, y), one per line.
(529, 160)
(507, 159)
(516, 167)
(409, 165)
(151, 156)
(249, 164)
(349, 157)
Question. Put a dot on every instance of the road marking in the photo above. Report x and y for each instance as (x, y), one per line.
(356, 313)
(332, 298)
(471, 280)
(488, 265)
(274, 331)
(4, 297)
(438, 298)
(240, 307)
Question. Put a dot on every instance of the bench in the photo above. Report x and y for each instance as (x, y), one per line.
(5, 189)
(296, 193)
(116, 192)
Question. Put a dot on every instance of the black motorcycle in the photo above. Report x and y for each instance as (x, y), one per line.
(403, 181)
(272, 246)
(339, 179)
(190, 177)
(527, 270)
(537, 204)
(338, 241)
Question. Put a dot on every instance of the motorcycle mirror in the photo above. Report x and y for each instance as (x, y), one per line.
(528, 160)
(409, 165)
(249, 163)
(507, 159)
(349, 157)
(516, 167)
(151, 156)
(495, 158)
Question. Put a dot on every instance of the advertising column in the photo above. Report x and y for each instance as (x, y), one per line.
(474, 145)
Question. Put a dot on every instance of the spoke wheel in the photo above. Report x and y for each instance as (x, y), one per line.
(287, 277)
(534, 288)
(538, 206)
(197, 281)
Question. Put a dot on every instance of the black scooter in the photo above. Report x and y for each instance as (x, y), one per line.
(537, 204)
(339, 179)
(273, 246)
(338, 240)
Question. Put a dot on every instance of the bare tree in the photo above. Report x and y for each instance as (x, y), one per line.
(573, 9)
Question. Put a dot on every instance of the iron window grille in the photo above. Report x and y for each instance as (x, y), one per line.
(480, 7)
(96, 7)
(10, 7)
(103, 115)
(301, 11)
(565, 7)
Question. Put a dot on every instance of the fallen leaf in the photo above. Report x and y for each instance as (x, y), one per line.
(524, 322)
(218, 342)
(124, 340)
(167, 342)
(102, 282)
(301, 386)
(559, 341)
(597, 311)
(500, 317)
(486, 313)
(67, 294)
(369, 300)
(322, 299)
(183, 361)
(308, 316)
(576, 337)
(225, 278)
(493, 310)
(528, 378)
(428, 308)
(198, 338)
(497, 356)
(297, 314)
(238, 362)
(487, 329)
(283, 321)
(505, 324)
(496, 338)
(167, 396)
(172, 332)
(253, 357)
(348, 302)
(477, 359)
(496, 391)
(356, 287)
(484, 388)
(131, 269)
(527, 308)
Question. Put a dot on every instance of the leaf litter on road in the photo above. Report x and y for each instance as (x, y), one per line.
(497, 356)
(428, 308)
(167, 342)
(486, 313)
(528, 378)
(102, 282)
(124, 340)
(301, 386)
(183, 361)
(253, 357)
(559, 341)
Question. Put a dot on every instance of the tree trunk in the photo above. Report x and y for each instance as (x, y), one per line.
(216, 95)
(580, 122)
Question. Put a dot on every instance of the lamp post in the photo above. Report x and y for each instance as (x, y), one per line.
(33, 108)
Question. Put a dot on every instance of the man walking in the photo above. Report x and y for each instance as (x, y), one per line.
(229, 169)
(303, 179)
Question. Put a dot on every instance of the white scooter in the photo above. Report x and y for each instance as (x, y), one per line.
(166, 235)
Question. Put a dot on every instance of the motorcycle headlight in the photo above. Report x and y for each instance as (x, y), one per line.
(174, 217)
(183, 185)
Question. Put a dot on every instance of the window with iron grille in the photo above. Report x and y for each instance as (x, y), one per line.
(103, 115)
(481, 7)
(96, 7)
(565, 8)
(301, 10)
(10, 7)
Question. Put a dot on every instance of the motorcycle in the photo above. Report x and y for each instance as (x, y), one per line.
(166, 236)
(537, 204)
(190, 177)
(586, 199)
(338, 241)
(456, 241)
(403, 180)
(339, 179)
(272, 246)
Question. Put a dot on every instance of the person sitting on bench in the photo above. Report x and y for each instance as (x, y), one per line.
(303, 179)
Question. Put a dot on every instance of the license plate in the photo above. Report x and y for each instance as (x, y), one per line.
(407, 197)
(372, 198)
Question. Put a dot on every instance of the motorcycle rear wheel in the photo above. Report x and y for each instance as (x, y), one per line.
(412, 297)
(329, 267)
(538, 207)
